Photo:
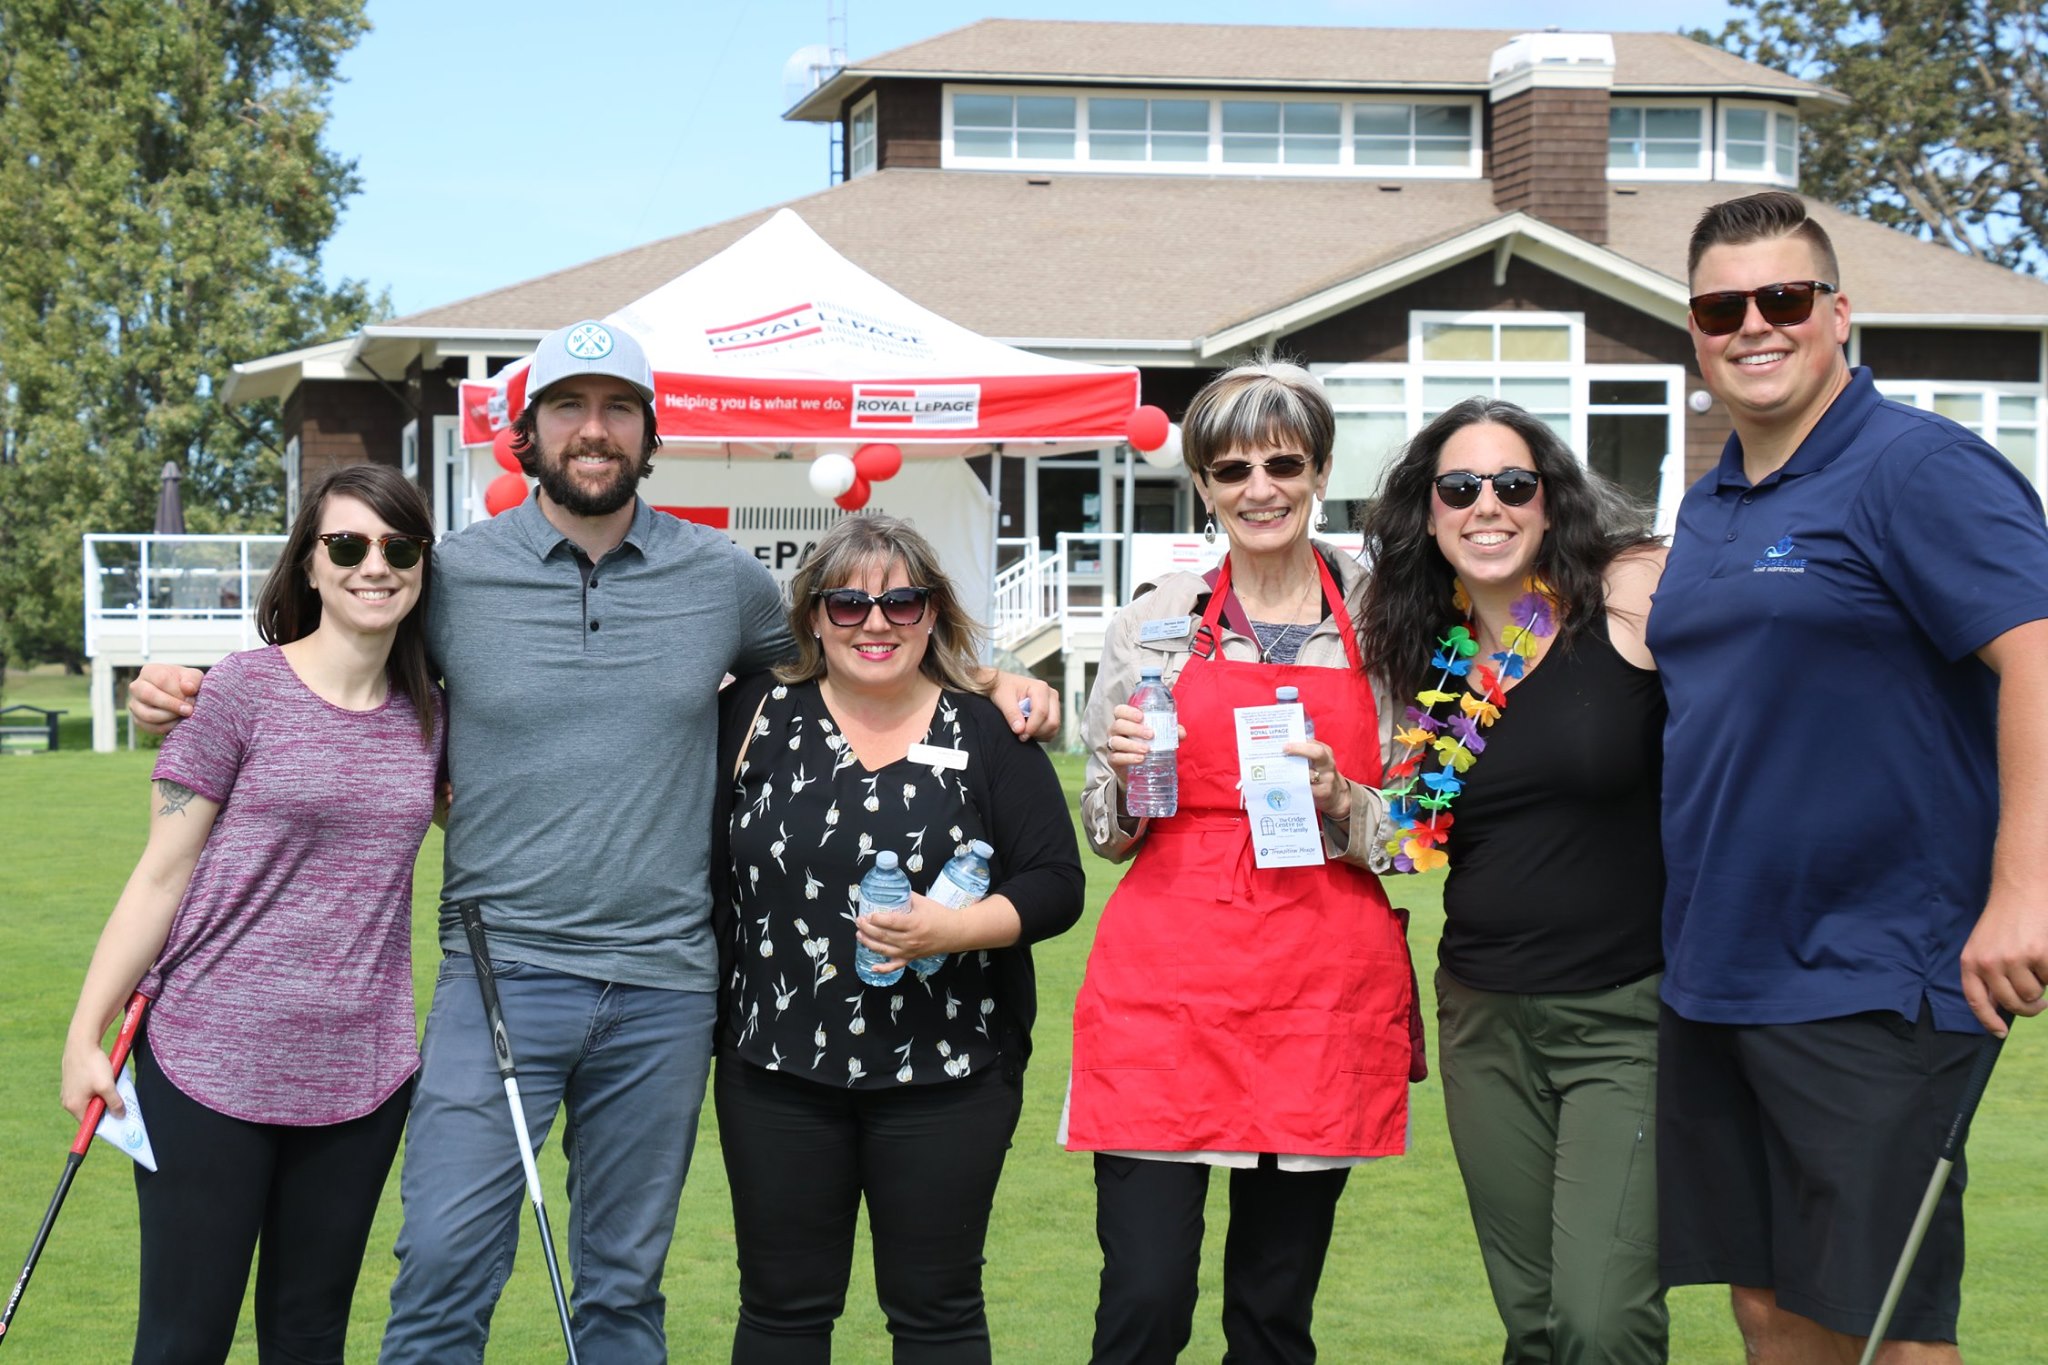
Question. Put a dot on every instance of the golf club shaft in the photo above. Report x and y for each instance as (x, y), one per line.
(1951, 1148)
(471, 914)
(123, 1041)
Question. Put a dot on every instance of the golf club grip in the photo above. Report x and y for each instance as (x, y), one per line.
(131, 1019)
(1973, 1089)
(472, 916)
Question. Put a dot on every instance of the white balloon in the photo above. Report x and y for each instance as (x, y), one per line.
(831, 475)
(1168, 454)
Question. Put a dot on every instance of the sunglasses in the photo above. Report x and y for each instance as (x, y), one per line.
(1278, 467)
(848, 607)
(346, 549)
(1514, 487)
(1786, 304)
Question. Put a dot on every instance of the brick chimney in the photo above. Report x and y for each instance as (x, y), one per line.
(1549, 153)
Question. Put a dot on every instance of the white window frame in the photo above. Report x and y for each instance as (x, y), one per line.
(294, 479)
(1411, 391)
(1213, 164)
(1701, 170)
(862, 152)
(1769, 175)
(1671, 481)
(1921, 394)
(409, 451)
(454, 501)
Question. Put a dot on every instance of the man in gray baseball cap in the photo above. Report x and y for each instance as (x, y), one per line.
(582, 637)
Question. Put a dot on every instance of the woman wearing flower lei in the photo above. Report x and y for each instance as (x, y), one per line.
(1509, 592)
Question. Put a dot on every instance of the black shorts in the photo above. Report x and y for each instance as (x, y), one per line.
(1793, 1157)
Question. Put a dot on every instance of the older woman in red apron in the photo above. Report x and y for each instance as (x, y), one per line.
(1239, 1014)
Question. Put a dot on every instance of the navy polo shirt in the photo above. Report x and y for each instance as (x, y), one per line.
(1831, 761)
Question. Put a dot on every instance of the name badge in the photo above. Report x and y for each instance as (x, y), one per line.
(932, 756)
(1166, 628)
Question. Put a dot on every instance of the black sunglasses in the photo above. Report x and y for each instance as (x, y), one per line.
(849, 607)
(1514, 487)
(346, 549)
(1786, 304)
(1276, 467)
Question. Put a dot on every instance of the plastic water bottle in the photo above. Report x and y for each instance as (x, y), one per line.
(962, 881)
(885, 887)
(1286, 695)
(1153, 787)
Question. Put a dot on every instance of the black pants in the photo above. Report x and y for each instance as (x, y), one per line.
(799, 1156)
(308, 1194)
(1148, 1217)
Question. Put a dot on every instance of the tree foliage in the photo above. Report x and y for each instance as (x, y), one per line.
(1943, 136)
(164, 197)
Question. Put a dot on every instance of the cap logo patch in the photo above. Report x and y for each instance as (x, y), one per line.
(589, 342)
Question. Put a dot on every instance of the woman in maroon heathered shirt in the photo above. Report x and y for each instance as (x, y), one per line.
(269, 923)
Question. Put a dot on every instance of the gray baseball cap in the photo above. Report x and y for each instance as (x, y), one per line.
(589, 347)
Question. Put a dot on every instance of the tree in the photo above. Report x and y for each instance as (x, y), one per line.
(1943, 136)
(164, 196)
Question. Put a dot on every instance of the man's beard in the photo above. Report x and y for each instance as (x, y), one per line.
(580, 499)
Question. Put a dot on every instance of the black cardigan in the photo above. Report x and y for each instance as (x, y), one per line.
(1037, 861)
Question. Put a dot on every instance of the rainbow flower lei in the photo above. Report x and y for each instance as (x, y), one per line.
(1419, 801)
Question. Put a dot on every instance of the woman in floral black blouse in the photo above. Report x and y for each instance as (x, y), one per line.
(877, 737)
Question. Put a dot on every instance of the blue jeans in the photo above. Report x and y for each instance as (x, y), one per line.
(628, 1063)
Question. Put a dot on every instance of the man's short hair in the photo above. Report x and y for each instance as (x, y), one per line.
(1760, 218)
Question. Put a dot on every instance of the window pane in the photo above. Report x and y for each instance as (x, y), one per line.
(1246, 116)
(1379, 120)
(971, 142)
(1180, 147)
(1683, 123)
(1313, 118)
(1366, 444)
(1456, 341)
(1535, 343)
(1624, 155)
(1440, 393)
(1117, 114)
(2018, 447)
(1381, 151)
(1044, 111)
(981, 111)
(1443, 120)
(1181, 116)
(1745, 156)
(1625, 120)
(1312, 151)
(1967, 408)
(1046, 146)
(2015, 408)
(1561, 424)
(1344, 389)
(1615, 392)
(1251, 148)
(1443, 153)
(1783, 160)
(1539, 395)
(1746, 125)
(1674, 155)
(1116, 146)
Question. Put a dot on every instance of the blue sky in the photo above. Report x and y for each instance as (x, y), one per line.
(499, 141)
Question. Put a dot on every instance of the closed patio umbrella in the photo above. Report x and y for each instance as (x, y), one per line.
(170, 507)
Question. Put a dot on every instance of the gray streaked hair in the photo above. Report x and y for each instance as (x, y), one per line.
(1264, 401)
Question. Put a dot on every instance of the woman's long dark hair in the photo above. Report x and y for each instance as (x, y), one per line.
(1408, 596)
(288, 608)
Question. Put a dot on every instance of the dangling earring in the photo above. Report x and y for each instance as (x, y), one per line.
(1209, 530)
(1322, 518)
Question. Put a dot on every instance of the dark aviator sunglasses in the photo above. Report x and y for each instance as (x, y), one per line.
(1514, 487)
(346, 549)
(849, 607)
(1785, 304)
(1276, 467)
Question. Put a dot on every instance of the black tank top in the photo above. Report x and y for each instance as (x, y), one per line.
(1557, 873)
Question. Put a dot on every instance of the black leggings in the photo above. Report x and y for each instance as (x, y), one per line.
(308, 1193)
(799, 1155)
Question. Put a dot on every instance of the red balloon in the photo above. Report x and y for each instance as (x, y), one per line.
(506, 492)
(856, 497)
(1148, 427)
(877, 462)
(501, 451)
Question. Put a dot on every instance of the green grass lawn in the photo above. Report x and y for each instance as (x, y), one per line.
(1404, 1282)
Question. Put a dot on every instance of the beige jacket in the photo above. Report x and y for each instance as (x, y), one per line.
(1114, 835)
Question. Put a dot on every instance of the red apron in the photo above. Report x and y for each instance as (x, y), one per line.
(1234, 1008)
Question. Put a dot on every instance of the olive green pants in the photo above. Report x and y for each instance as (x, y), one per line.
(1552, 1107)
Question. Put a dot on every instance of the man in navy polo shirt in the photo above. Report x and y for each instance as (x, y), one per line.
(1853, 634)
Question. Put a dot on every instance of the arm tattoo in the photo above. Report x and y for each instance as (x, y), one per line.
(176, 797)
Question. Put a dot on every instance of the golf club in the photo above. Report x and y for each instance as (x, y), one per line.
(124, 1040)
(1951, 1148)
(501, 1044)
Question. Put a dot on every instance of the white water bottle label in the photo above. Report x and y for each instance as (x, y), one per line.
(948, 892)
(1165, 732)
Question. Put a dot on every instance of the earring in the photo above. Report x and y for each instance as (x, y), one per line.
(1322, 518)
(1209, 530)
(816, 636)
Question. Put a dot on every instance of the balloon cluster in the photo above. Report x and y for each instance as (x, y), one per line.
(508, 490)
(849, 481)
(1154, 437)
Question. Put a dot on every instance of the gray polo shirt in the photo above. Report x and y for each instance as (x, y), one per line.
(582, 735)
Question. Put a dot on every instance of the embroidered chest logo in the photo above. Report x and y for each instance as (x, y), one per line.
(1779, 558)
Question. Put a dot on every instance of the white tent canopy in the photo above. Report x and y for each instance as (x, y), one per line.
(780, 341)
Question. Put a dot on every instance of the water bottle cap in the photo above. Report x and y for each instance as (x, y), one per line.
(1151, 671)
(1287, 694)
(981, 849)
(886, 860)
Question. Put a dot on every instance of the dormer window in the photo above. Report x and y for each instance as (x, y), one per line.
(1148, 130)
(1664, 141)
(860, 138)
(1412, 134)
(1020, 127)
(1759, 142)
(1269, 131)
